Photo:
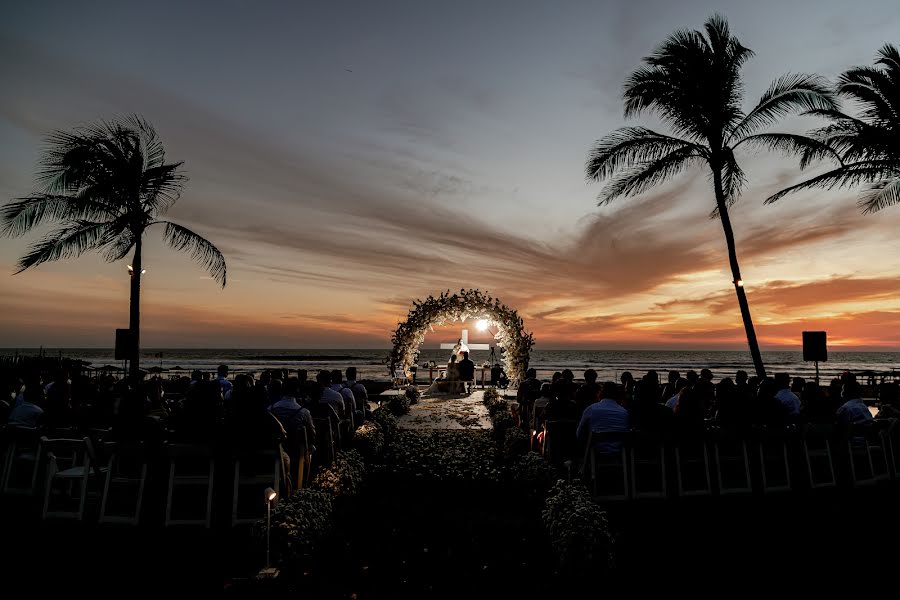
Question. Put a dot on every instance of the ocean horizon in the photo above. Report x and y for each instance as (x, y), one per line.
(370, 362)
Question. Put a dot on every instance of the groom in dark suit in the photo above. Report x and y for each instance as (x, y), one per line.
(466, 368)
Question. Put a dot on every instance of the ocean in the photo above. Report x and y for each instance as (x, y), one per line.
(609, 364)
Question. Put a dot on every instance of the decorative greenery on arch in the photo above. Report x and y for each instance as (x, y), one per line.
(514, 341)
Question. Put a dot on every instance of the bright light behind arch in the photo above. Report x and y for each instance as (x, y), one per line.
(481, 324)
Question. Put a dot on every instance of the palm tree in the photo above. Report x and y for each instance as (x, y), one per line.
(693, 81)
(105, 184)
(868, 145)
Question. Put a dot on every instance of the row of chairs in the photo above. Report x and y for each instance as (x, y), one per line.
(637, 465)
(66, 472)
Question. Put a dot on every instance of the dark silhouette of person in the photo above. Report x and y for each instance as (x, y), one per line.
(466, 368)
(646, 412)
(669, 389)
(586, 394)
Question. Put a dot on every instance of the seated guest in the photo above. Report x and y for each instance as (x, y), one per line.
(692, 377)
(222, 378)
(565, 385)
(29, 412)
(627, 380)
(359, 391)
(587, 391)
(295, 419)
(528, 392)
(540, 406)
(560, 409)
(646, 413)
(130, 422)
(669, 389)
(680, 386)
(888, 401)
(797, 385)
(337, 384)
(732, 406)
(788, 399)
(853, 411)
(605, 415)
(814, 406)
(651, 378)
(199, 415)
(691, 409)
(706, 375)
(466, 368)
(327, 395)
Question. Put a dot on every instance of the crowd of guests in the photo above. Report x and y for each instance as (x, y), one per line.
(242, 413)
(692, 403)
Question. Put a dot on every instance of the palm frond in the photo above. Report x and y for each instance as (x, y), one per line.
(626, 147)
(642, 177)
(161, 187)
(790, 93)
(847, 175)
(67, 242)
(201, 250)
(881, 195)
(809, 148)
(20, 216)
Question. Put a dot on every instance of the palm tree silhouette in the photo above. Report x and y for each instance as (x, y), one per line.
(693, 81)
(105, 184)
(868, 146)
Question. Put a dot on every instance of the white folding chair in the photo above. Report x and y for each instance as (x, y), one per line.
(198, 468)
(774, 461)
(126, 469)
(70, 463)
(732, 458)
(691, 453)
(819, 457)
(648, 456)
(253, 473)
(597, 463)
(21, 462)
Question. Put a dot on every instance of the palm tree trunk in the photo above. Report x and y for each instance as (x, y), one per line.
(134, 322)
(736, 274)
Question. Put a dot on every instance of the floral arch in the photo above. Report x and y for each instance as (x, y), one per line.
(514, 342)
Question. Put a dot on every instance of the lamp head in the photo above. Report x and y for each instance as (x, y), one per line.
(481, 325)
(739, 282)
(270, 494)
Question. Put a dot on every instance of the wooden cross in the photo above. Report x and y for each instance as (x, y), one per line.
(464, 336)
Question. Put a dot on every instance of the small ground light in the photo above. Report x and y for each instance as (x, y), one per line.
(269, 571)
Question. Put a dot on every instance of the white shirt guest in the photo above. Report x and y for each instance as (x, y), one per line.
(26, 414)
(607, 415)
(789, 400)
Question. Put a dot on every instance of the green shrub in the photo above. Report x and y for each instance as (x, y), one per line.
(497, 406)
(386, 423)
(490, 395)
(368, 440)
(398, 405)
(515, 443)
(343, 479)
(441, 456)
(299, 524)
(532, 473)
(579, 531)
(501, 421)
(413, 394)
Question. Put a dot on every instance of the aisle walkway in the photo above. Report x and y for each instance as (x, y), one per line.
(448, 412)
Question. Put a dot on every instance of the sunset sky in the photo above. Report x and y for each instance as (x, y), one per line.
(350, 157)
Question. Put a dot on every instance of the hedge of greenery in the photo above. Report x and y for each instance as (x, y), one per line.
(299, 524)
(579, 531)
(369, 441)
(515, 443)
(386, 423)
(398, 405)
(532, 474)
(344, 477)
(442, 456)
